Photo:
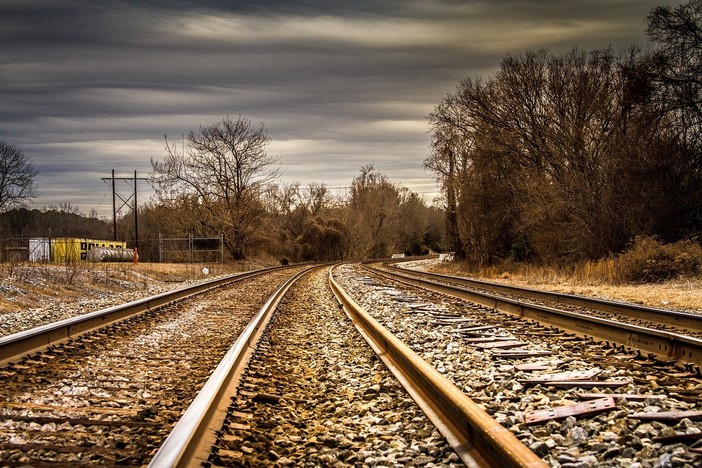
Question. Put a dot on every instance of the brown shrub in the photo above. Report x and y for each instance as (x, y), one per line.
(649, 260)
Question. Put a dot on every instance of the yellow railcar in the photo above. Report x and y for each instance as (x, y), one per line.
(72, 249)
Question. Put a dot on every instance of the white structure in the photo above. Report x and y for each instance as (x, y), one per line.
(39, 250)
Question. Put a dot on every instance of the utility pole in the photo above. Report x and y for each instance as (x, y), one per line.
(114, 210)
(136, 210)
(125, 202)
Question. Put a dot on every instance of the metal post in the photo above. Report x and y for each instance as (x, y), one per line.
(221, 248)
(136, 210)
(190, 246)
(114, 209)
(160, 248)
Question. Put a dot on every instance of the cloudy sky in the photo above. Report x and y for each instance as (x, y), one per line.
(91, 86)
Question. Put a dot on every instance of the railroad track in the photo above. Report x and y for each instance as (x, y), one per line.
(678, 339)
(311, 393)
(573, 400)
(296, 404)
(111, 395)
(678, 320)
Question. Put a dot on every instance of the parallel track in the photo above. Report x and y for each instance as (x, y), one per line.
(477, 438)
(110, 395)
(190, 440)
(666, 345)
(682, 320)
(516, 369)
(17, 345)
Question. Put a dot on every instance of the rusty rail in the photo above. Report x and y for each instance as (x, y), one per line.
(17, 345)
(665, 344)
(191, 440)
(478, 439)
(684, 320)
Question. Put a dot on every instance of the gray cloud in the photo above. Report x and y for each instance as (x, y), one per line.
(87, 87)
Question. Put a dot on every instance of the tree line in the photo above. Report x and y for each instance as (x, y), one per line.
(222, 182)
(560, 158)
(553, 158)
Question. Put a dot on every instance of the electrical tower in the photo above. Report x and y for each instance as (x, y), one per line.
(125, 202)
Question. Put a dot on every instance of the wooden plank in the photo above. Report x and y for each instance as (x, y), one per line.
(562, 377)
(238, 426)
(476, 328)
(439, 313)
(520, 354)
(587, 384)
(537, 366)
(55, 409)
(450, 320)
(241, 414)
(560, 412)
(489, 339)
(81, 421)
(230, 438)
(547, 333)
(498, 344)
(627, 396)
(50, 447)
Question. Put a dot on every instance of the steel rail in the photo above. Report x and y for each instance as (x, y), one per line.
(477, 438)
(17, 345)
(679, 319)
(665, 344)
(191, 440)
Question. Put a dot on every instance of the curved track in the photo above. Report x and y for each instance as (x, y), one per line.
(681, 320)
(664, 344)
(478, 439)
(17, 345)
(304, 393)
(534, 379)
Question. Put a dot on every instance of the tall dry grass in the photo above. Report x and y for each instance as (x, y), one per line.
(651, 273)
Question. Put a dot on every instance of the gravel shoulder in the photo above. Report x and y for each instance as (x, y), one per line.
(34, 295)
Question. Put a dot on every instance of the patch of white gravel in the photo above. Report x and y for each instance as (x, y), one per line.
(57, 309)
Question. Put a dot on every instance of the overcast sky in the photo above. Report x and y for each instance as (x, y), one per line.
(91, 86)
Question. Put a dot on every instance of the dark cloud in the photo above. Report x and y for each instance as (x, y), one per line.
(86, 87)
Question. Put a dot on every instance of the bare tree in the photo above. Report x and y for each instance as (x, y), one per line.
(450, 147)
(675, 81)
(677, 33)
(318, 198)
(373, 200)
(560, 158)
(16, 177)
(221, 172)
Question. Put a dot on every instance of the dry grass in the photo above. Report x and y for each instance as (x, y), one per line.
(183, 272)
(30, 285)
(596, 280)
